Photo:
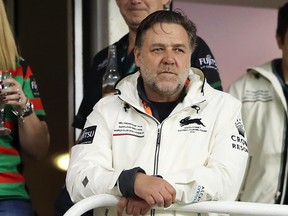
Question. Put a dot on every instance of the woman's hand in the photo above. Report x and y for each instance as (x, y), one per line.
(13, 94)
(33, 134)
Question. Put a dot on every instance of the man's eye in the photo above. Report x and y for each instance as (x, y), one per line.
(179, 50)
(157, 50)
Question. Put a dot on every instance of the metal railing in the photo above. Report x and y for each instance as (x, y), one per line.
(226, 207)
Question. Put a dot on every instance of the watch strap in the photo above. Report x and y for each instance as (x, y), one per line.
(25, 111)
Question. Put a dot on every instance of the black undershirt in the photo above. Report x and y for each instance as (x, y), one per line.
(162, 110)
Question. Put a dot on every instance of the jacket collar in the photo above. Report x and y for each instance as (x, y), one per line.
(131, 89)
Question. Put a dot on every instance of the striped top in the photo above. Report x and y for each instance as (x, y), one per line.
(12, 182)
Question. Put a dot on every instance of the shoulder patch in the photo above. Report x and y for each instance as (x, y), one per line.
(87, 135)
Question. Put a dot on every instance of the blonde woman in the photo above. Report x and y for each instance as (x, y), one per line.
(24, 117)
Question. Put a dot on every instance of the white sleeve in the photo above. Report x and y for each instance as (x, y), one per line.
(90, 169)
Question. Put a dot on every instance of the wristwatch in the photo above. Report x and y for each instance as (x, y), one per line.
(26, 111)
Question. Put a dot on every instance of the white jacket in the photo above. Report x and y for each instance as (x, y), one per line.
(264, 112)
(200, 148)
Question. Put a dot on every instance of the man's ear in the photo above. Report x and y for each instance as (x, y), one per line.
(137, 56)
(166, 3)
(279, 42)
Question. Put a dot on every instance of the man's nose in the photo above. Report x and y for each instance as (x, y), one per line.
(135, 1)
(169, 57)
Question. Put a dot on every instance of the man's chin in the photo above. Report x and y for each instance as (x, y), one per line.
(167, 88)
(137, 17)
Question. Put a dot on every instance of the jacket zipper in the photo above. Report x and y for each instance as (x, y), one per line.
(156, 158)
(157, 151)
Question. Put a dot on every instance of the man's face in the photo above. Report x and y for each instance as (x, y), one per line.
(164, 61)
(134, 11)
(283, 45)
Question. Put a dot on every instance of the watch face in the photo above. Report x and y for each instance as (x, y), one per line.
(28, 109)
(29, 105)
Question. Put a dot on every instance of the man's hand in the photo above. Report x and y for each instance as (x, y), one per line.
(134, 206)
(154, 190)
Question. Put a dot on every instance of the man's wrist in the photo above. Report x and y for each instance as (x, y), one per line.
(126, 181)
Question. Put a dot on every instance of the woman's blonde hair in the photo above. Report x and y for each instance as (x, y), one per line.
(8, 49)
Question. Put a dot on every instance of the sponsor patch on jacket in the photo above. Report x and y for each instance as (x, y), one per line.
(240, 127)
(208, 62)
(199, 193)
(34, 87)
(87, 135)
(192, 125)
(128, 129)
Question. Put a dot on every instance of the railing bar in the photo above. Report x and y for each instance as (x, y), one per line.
(243, 208)
(92, 202)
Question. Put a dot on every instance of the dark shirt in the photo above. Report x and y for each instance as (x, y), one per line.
(277, 70)
(201, 58)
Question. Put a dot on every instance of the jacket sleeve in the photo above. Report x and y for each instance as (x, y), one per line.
(221, 176)
(90, 169)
